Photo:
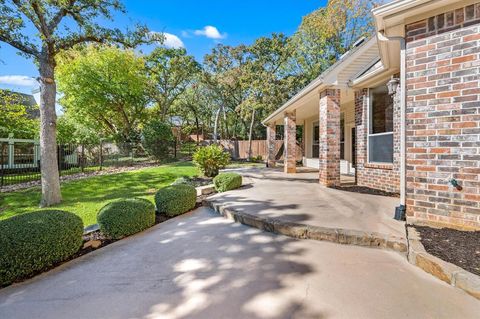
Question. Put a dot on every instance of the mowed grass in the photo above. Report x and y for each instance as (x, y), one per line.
(85, 197)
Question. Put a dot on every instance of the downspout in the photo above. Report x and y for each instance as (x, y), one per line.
(401, 209)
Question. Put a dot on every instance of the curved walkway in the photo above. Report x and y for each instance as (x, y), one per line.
(200, 265)
(311, 211)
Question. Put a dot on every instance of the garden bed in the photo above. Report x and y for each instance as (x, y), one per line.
(95, 240)
(461, 248)
(194, 181)
(366, 190)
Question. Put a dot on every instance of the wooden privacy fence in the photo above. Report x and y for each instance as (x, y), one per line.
(239, 149)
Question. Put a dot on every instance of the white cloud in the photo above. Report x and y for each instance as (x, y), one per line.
(172, 41)
(169, 40)
(18, 80)
(210, 32)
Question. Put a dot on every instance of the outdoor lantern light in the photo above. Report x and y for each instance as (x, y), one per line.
(392, 85)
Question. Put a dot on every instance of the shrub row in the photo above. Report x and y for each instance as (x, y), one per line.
(33, 242)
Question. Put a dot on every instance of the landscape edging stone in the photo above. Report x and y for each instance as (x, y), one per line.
(303, 231)
(443, 270)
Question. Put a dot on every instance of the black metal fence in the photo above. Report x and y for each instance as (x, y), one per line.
(20, 161)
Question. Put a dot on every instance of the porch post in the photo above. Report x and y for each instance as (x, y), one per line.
(290, 142)
(329, 144)
(271, 144)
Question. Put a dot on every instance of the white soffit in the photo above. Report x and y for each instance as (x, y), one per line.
(337, 75)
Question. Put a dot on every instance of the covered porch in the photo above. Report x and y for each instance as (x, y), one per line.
(328, 136)
(349, 122)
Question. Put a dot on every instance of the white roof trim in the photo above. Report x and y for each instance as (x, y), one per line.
(368, 75)
(328, 77)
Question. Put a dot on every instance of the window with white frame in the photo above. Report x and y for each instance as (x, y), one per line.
(380, 137)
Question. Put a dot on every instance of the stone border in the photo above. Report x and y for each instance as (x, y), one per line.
(90, 229)
(448, 272)
(205, 190)
(303, 231)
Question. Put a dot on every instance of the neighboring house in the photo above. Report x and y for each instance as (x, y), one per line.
(27, 100)
(401, 111)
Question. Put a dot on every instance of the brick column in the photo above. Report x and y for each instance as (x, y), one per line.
(271, 143)
(290, 141)
(329, 144)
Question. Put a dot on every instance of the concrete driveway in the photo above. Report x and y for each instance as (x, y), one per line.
(200, 265)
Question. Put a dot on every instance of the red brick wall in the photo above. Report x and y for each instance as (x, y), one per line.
(385, 177)
(443, 117)
(329, 144)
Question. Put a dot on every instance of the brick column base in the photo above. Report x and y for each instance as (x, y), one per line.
(329, 144)
(271, 143)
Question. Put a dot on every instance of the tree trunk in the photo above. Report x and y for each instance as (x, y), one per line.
(227, 134)
(250, 134)
(215, 127)
(48, 141)
(197, 124)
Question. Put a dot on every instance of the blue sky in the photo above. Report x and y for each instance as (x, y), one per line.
(197, 25)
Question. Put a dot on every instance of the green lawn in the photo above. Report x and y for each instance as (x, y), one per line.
(85, 197)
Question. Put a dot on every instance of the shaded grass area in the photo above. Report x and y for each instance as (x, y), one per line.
(85, 197)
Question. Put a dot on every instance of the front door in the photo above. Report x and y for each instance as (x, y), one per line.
(316, 140)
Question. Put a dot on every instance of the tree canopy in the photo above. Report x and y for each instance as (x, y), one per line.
(111, 89)
(105, 87)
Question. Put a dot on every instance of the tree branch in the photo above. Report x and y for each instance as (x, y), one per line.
(41, 19)
(60, 15)
(20, 46)
(70, 43)
(21, 7)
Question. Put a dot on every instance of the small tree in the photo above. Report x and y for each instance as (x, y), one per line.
(157, 138)
(211, 159)
(52, 37)
(105, 87)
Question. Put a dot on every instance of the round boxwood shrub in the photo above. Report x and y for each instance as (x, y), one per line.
(227, 181)
(174, 200)
(32, 242)
(125, 217)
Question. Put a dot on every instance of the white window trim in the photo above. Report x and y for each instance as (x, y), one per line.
(369, 121)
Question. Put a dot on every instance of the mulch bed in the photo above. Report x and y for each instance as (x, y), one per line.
(100, 241)
(366, 190)
(461, 248)
(199, 181)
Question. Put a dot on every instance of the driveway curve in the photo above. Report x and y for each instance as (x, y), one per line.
(200, 265)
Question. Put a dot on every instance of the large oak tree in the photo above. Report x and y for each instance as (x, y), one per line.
(58, 25)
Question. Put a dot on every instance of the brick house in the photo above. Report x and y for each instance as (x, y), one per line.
(400, 111)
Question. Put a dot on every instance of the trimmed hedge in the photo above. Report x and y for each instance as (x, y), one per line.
(174, 200)
(227, 181)
(126, 217)
(33, 242)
